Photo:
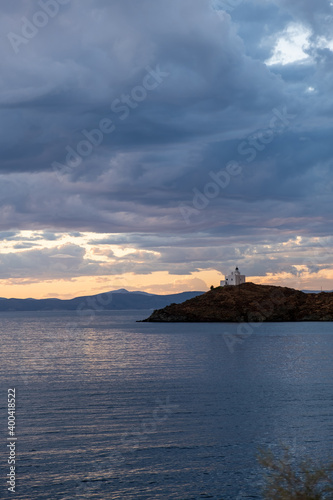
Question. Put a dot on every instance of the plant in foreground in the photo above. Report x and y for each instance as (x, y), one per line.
(285, 480)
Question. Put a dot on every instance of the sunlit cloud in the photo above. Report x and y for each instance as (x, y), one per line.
(81, 263)
(291, 46)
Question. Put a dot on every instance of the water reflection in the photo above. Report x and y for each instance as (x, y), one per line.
(83, 397)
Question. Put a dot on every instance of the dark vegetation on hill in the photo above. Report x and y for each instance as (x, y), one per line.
(250, 303)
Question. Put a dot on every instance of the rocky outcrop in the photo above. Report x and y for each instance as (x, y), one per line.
(250, 303)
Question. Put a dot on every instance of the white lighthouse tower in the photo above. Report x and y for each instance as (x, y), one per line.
(233, 279)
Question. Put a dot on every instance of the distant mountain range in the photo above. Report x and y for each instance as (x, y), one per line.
(111, 301)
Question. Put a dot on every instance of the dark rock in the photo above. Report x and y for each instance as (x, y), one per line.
(250, 303)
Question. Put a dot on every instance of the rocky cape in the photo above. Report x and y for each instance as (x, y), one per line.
(250, 303)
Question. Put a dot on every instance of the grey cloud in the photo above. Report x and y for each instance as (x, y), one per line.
(69, 261)
(73, 87)
(219, 95)
(21, 246)
(8, 235)
(315, 14)
(42, 264)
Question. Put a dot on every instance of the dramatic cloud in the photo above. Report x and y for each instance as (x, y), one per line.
(205, 125)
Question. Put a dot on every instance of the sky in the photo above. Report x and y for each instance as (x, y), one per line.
(156, 145)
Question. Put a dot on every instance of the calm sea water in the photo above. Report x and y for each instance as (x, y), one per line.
(114, 409)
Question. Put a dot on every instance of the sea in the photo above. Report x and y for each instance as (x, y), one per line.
(110, 408)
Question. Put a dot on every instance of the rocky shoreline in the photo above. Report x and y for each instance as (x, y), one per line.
(249, 303)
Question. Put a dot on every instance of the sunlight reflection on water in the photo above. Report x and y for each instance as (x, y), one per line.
(154, 411)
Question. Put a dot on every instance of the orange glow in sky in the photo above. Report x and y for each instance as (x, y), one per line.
(64, 265)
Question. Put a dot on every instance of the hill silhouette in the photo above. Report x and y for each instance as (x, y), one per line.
(250, 303)
(115, 300)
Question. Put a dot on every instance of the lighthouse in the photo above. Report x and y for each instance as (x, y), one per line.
(233, 279)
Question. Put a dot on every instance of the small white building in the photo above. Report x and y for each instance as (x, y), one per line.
(235, 278)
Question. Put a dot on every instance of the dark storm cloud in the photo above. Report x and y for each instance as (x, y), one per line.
(257, 21)
(317, 15)
(216, 97)
(101, 53)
